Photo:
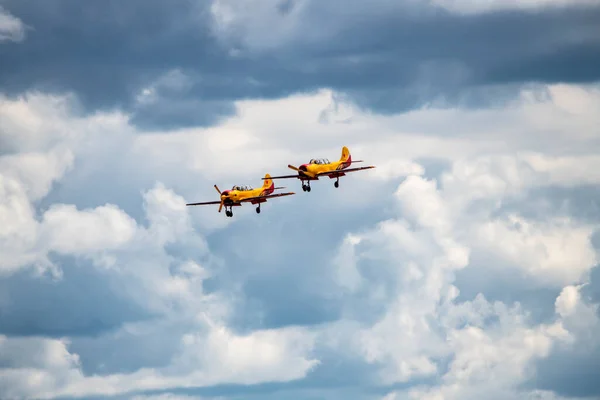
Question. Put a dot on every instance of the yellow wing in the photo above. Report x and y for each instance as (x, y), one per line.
(261, 199)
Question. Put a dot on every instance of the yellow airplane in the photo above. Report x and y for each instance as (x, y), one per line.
(318, 167)
(239, 194)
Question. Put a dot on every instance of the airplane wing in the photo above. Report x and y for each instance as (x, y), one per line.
(255, 198)
(203, 204)
(343, 171)
(325, 173)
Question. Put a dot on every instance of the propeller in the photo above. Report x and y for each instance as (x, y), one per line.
(221, 203)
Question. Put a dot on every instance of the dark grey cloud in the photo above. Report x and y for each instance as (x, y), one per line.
(108, 51)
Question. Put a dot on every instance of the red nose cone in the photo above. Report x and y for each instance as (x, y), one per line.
(303, 167)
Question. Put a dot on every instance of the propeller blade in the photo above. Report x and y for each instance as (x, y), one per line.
(221, 206)
(216, 187)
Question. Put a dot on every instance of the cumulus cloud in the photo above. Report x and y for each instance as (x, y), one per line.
(112, 197)
(102, 235)
(52, 371)
(425, 324)
(136, 255)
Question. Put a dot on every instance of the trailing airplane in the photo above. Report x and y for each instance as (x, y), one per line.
(240, 194)
(318, 167)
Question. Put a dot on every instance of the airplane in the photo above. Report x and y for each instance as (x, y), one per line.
(318, 167)
(239, 194)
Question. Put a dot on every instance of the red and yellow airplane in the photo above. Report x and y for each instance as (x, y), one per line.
(318, 167)
(239, 194)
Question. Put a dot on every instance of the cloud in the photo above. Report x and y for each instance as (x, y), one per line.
(425, 326)
(151, 263)
(557, 251)
(116, 242)
(52, 371)
(372, 290)
(193, 61)
(474, 7)
(12, 28)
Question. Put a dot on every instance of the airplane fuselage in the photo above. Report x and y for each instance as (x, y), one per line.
(235, 196)
(311, 171)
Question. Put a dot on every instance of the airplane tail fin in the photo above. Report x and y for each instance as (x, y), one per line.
(346, 157)
(268, 182)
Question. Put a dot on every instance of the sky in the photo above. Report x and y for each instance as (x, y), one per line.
(465, 266)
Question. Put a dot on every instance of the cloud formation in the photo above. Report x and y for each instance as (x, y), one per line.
(464, 266)
(186, 63)
(386, 290)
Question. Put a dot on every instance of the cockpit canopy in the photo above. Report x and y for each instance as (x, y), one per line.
(319, 161)
(242, 188)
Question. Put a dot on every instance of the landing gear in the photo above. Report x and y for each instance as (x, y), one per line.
(306, 186)
(258, 209)
(229, 212)
(337, 183)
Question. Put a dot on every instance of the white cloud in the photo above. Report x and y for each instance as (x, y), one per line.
(11, 27)
(405, 264)
(425, 323)
(557, 252)
(568, 301)
(70, 231)
(493, 361)
(476, 7)
(437, 229)
(18, 228)
(580, 317)
(44, 368)
(210, 354)
(37, 171)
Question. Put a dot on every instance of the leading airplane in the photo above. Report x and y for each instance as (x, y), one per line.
(318, 167)
(239, 194)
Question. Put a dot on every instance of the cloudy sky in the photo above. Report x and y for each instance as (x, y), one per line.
(465, 266)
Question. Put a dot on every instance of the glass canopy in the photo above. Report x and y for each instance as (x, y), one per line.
(319, 161)
(242, 188)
